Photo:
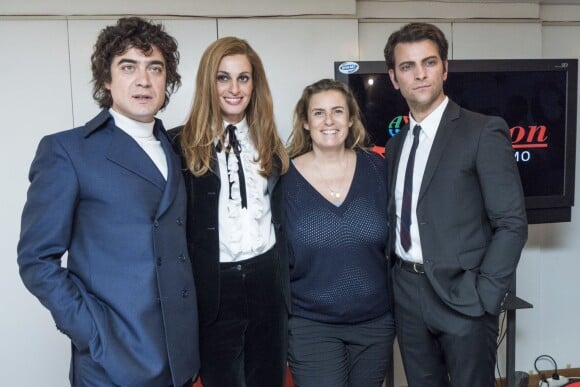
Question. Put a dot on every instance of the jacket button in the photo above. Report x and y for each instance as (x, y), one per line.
(180, 221)
(181, 258)
(156, 224)
(159, 261)
(185, 293)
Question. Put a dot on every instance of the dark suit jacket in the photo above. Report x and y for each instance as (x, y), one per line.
(203, 239)
(127, 298)
(471, 211)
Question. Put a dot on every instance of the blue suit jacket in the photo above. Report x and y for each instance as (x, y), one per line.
(126, 297)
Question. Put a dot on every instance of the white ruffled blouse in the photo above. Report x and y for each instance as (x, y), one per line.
(243, 232)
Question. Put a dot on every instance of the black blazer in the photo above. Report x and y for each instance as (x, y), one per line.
(471, 212)
(202, 232)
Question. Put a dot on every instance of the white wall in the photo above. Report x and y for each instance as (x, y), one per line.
(178, 7)
(36, 100)
(46, 88)
(292, 57)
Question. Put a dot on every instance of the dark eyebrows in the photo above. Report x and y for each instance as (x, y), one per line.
(126, 60)
(156, 62)
(411, 63)
(133, 61)
(247, 73)
(432, 57)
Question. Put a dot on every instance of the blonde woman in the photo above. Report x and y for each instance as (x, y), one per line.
(341, 328)
(233, 159)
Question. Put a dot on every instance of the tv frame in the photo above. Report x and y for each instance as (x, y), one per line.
(540, 208)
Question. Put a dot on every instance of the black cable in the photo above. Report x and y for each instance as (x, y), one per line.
(500, 339)
(542, 376)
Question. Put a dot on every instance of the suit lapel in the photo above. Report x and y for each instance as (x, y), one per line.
(174, 173)
(274, 176)
(215, 165)
(446, 128)
(126, 153)
(395, 148)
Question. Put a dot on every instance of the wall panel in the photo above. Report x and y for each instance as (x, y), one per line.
(35, 101)
(295, 53)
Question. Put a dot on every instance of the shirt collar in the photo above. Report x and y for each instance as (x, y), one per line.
(133, 128)
(241, 127)
(430, 124)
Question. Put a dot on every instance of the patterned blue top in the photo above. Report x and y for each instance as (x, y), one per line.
(338, 270)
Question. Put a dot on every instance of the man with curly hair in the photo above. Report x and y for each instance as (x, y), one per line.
(110, 194)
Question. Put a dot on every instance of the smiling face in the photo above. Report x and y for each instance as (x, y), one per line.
(138, 84)
(234, 87)
(328, 119)
(419, 73)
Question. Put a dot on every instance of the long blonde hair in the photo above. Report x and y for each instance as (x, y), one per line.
(205, 120)
(300, 141)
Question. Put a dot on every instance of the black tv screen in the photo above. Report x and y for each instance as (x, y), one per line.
(536, 97)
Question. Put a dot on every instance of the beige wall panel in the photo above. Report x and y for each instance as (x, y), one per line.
(373, 37)
(497, 40)
(35, 101)
(178, 7)
(295, 53)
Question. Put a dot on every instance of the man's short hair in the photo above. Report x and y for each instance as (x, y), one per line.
(415, 32)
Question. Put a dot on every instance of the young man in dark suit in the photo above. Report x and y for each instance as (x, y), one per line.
(458, 220)
(111, 195)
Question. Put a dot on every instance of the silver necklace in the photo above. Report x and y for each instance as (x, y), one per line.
(335, 193)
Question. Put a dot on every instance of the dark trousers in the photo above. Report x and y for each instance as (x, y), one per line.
(341, 355)
(246, 346)
(439, 346)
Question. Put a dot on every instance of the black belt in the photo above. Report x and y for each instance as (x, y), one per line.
(413, 267)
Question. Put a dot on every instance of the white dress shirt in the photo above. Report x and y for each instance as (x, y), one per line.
(243, 232)
(426, 136)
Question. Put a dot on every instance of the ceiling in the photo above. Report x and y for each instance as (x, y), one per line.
(547, 2)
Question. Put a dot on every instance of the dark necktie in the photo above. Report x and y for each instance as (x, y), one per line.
(234, 144)
(405, 233)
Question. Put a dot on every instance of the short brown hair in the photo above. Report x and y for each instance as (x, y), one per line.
(415, 32)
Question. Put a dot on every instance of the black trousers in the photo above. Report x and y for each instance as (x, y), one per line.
(246, 346)
(340, 355)
(439, 346)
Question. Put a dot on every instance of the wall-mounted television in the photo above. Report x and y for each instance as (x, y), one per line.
(536, 97)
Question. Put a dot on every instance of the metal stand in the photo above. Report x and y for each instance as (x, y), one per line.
(512, 303)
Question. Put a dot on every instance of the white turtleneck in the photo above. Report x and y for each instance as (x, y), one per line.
(142, 133)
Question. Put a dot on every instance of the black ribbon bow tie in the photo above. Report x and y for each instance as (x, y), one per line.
(235, 146)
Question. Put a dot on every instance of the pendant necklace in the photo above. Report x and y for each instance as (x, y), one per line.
(336, 193)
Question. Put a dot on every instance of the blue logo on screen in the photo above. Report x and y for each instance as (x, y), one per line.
(348, 67)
